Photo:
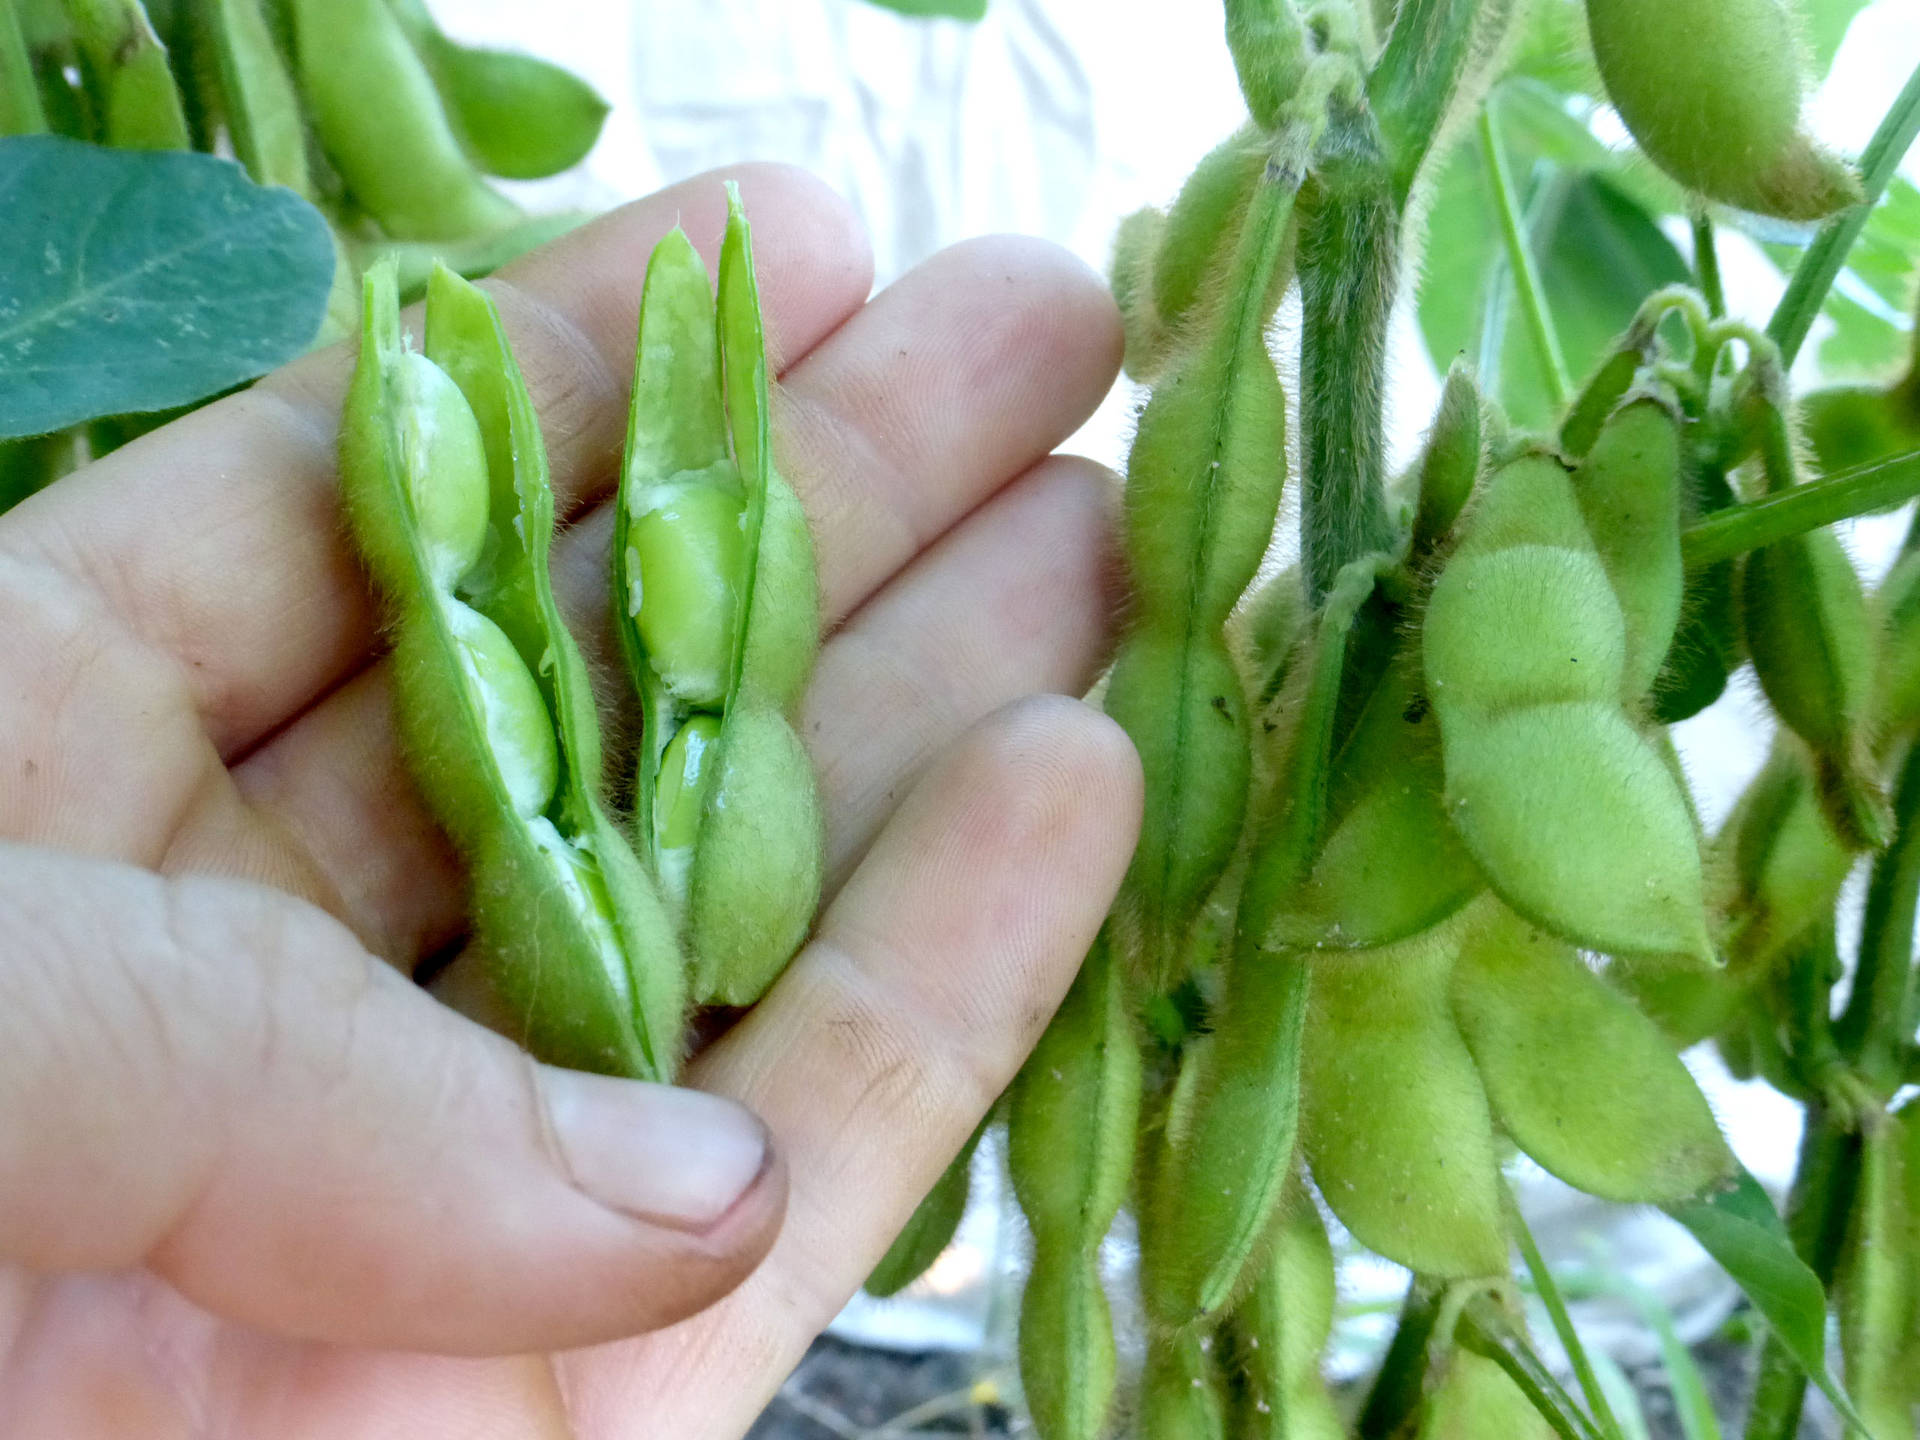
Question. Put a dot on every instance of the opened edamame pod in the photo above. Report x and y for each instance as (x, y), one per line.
(445, 481)
(718, 614)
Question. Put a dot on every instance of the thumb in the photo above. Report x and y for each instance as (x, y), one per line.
(217, 1081)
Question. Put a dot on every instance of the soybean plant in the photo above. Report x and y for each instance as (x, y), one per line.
(1421, 882)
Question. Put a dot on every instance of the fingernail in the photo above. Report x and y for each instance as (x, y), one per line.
(676, 1157)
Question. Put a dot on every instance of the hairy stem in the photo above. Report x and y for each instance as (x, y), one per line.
(1349, 270)
(1880, 485)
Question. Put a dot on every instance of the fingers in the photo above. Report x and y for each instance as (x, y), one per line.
(877, 1053)
(1019, 599)
(217, 539)
(951, 382)
(218, 1082)
(1016, 600)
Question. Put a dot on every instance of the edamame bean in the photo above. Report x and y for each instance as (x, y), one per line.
(1394, 1122)
(1804, 613)
(1629, 492)
(932, 1226)
(1711, 90)
(1217, 1178)
(1181, 1390)
(126, 66)
(259, 103)
(518, 116)
(445, 482)
(1130, 274)
(379, 118)
(1278, 1333)
(1582, 1081)
(1204, 223)
(1071, 1118)
(1203, 489)
(717, 611)
(1573, 816)
(1450, 464)
(1476, 1401)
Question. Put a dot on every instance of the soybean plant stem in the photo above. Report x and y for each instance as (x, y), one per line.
(1819, 1208)
(1706, 265)
(1549, 1291)
(1880, 485)
(1815, 273)
(1526, 275)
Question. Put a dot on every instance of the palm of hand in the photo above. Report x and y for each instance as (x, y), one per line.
(255, 1171)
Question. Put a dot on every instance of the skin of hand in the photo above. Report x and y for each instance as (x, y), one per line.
(256, 1181)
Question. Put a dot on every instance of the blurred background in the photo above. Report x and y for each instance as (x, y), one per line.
(1057, 118)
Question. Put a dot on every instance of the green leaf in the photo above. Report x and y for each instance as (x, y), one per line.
(1598, 249)
(952, 9)
(1737, 1225)
(138, 281)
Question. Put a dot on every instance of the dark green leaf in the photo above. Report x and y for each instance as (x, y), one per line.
(140, 281)
(1737, 1225)
(952, 9)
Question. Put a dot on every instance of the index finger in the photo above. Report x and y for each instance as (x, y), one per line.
(217, 538)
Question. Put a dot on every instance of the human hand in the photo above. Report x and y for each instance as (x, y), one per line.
(256, 1182)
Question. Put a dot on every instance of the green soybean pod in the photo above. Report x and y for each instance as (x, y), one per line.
(126, 68)
(1203, 489)
(1270, 55)
(1182, 1394)
(1450, 463)
(445, 482)
(1805, 617)
(1574, 818)
(1582, 1081)
(1394, 1121)
(1204, 222)
(717, 610)
(1476, 1400)
(1711, 90)
(1876, 1300)
(1896, 620)
(1265, 632)
(380, 121)
(1072, 1114)
(261, 107)
(518, 116)
(932, 1226)
(1278, 1333)
(1849, 425)
(1130, 276)
(1629, 492)
(1216, 1185)
(1603, 392)
(1391, 865)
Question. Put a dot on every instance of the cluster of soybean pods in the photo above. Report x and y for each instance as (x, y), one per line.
(1420, 881)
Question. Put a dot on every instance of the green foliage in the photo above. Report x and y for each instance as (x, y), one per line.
(140, 282)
